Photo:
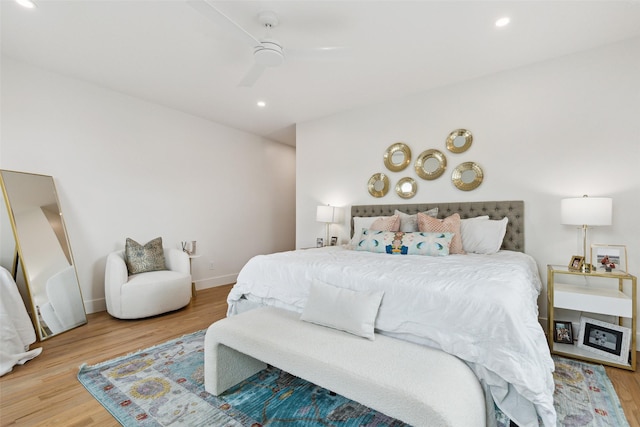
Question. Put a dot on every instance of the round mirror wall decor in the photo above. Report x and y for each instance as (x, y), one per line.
(467, 176)
(459, 141)
(406, 188)
(378, 185)
(430, 164)
(397, 157)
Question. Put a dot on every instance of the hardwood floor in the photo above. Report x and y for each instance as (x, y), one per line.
(46, 392)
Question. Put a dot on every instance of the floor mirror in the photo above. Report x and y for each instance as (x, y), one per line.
(43, 253)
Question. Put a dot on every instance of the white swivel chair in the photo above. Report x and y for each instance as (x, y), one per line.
(147, 294)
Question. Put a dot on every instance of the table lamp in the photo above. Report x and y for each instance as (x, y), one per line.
(586, 212)
(329, 215)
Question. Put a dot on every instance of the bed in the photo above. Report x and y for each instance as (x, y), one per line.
(480, 307)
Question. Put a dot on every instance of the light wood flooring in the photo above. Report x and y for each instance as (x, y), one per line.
(46, 392)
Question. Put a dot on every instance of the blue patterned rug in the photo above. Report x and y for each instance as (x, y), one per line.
(164, 385)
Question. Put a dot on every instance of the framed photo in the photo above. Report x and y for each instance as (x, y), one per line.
(319, 242)
(562, 332)
(576, 263)
(605, 339)
(609, 258)
(334, 240)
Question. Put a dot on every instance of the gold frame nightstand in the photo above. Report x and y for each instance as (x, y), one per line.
(591, 298)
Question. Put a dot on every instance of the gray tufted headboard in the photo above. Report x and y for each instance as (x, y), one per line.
(514, 210)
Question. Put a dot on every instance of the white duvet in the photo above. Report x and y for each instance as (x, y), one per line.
(481, 308)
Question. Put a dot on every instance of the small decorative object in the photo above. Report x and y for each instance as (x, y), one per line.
(467, 176)
(563, 332)
(397, 157)
(605, 339)
(378, 185)
(430, 164)
(319, 242)
(459, 141)
(576, 263)
(334, 240)
(609, 258)
(189, 247)
(406, 187)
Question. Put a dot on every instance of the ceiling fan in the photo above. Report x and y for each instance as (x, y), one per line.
(267, 52)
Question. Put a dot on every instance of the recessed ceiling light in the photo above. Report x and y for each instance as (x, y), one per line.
(26, 3)
(504, 21)
(261, 104)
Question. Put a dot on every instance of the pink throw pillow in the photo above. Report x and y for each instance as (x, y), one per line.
(450, 224)
(387, 223)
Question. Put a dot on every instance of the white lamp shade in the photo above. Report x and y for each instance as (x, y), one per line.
(586, 211)
(328, 213)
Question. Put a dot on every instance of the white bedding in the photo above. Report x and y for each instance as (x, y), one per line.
(481, 308)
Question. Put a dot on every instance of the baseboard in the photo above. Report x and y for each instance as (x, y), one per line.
(212, 282)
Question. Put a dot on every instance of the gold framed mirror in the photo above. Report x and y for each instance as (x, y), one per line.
(459, 141)
(430, 164)
(406, 188)
(397, 157)
(378, 185)
(43, 253)
(467, 176)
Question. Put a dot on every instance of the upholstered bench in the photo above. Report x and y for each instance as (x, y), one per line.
(415, 384)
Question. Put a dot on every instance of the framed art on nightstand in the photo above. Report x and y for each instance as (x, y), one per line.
(576, 263)
(605, 339)
(609, 258)
(562, 332)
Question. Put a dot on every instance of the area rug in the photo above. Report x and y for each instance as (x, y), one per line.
(164, 385)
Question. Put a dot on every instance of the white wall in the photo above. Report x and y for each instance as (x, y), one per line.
(127, 168)
(557, 129)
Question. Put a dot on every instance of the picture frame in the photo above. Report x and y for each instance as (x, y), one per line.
(576, 263)
(562, 332)
(334, 240)
(319, 242)
(609, 258)
(605, 339)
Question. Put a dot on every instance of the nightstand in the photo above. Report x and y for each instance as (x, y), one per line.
(591, 293)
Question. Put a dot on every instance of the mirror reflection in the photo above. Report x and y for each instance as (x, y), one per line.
(43, 252)
(430, 164)
(459, 141)
(397, 157)
(378, 185)
(467, 176)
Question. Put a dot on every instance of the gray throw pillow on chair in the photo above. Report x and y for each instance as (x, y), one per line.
(143, 258)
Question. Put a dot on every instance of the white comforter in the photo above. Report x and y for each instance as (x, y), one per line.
(481, 308)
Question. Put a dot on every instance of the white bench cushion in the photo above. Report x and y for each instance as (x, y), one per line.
(410, 382)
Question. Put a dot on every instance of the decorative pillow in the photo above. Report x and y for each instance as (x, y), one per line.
(483, 236)
(350, 311)
(140, 259)
(409, 223)
(388, 223)
(450, 224)
(367, 222)
(400, 243)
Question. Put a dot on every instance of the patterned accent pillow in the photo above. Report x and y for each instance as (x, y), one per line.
(450, 224)
(140, 259)
(409, 223)
(386, 223)
(401, 243)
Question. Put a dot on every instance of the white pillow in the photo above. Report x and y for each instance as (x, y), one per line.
(350, 311)
(409, 223)
(481, 235)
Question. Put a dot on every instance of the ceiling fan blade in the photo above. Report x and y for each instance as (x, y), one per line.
(210, 11)
(252, 76)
